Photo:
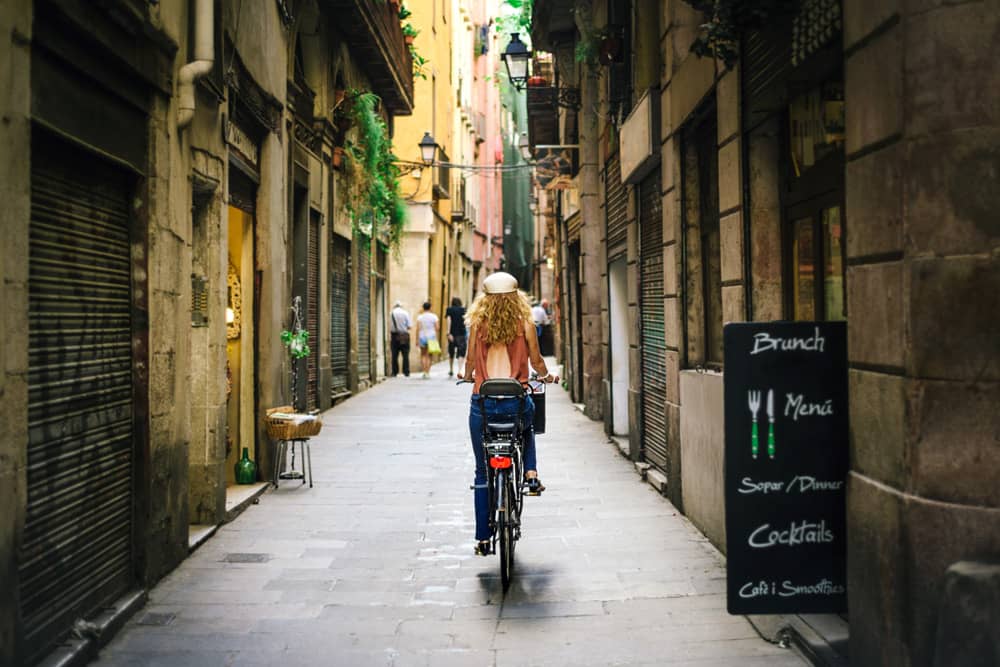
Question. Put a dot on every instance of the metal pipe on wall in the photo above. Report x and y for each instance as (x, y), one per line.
(204, 60)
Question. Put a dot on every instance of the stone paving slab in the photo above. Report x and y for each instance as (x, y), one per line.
(374, 564)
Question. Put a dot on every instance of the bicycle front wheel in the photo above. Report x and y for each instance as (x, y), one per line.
(505, 529)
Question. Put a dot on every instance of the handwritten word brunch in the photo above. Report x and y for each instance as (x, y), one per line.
(765, 342)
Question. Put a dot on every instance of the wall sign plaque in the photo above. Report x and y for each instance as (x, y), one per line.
(786, 463)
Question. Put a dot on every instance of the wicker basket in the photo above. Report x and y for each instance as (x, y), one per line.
(282, 429)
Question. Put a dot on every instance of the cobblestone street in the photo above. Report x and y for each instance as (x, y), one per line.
(374, 565)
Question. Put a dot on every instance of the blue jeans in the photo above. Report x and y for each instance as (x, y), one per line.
(496, 407)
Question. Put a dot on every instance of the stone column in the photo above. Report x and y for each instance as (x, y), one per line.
(923, 243)
(591, 248)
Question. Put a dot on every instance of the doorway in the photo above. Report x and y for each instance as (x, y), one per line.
(240, 340)
(618, 314)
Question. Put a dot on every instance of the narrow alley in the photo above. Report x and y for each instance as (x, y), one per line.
(374, 565)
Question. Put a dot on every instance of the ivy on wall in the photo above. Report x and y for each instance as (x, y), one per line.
(373, 200)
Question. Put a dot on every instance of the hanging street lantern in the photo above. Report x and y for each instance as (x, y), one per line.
(428, 149)
(515, 57)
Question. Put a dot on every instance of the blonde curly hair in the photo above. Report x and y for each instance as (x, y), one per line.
(500, 317)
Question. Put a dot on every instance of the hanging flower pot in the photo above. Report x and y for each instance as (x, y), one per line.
(338, 158)
(408, 39)
(536, 81)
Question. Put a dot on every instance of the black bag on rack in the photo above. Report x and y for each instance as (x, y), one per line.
(538, 397)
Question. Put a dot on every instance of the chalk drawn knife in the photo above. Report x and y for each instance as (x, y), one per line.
(770, 426)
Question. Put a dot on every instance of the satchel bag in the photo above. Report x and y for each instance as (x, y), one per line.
(433, 347)
(401, 338)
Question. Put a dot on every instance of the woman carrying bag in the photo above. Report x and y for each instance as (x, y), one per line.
(427, 331)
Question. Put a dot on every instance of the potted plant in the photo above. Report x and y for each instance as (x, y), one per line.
(404, 13)
(537, 80)
(410, 33)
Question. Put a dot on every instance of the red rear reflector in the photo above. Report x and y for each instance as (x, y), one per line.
(501, 462)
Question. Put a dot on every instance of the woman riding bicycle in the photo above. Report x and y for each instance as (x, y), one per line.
(502, 342)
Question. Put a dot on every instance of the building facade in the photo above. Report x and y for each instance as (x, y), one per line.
(173, 190)
(828, 173)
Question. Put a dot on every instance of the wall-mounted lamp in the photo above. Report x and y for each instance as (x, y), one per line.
(428, 149)
(515, 57)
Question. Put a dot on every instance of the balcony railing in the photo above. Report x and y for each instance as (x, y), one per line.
(543, 115)
(371, 29)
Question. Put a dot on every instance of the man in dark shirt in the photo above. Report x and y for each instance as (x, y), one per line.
(457, 340)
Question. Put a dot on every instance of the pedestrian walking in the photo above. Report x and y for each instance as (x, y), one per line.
(455, 316)
(502, 344)
(399, 328)
(540, 317)
(427, 337)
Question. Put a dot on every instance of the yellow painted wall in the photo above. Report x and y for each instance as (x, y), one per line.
(434, 111)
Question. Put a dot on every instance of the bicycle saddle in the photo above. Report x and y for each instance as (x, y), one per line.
(501, 427)
(506, 387)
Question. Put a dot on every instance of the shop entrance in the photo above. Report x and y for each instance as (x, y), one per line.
(240, 427)
(618, 314)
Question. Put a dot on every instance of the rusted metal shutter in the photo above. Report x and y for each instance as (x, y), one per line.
(615, 207)
(312, 313)
(654, 365)
(76, 556)
(364, 311)
(340, 288)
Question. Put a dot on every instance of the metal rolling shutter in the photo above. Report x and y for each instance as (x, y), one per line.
(654, 367)
(340, 284)
(312, 313)
(364, 313)
(77, 551)
(615, 207)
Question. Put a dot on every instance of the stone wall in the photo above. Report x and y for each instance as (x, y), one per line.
(923, 95)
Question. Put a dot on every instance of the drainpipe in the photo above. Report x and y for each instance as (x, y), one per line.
(204, 60)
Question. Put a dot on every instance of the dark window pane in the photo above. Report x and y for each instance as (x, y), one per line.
(803, 260)
(833, 264)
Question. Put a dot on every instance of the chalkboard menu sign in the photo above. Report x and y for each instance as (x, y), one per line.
(786, 467)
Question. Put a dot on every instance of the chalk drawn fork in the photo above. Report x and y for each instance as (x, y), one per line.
(753, 402)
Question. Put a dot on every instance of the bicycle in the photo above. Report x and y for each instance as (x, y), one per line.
(503, 449)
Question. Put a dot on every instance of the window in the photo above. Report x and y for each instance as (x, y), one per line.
(817, 265)
(617, 53)
(702, 240)
(814, 212)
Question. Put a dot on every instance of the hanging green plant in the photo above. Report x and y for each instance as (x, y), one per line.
(725, 21)
(374, 201)
(410, 31)
(404, 13)
(297, 343)
(419, 63)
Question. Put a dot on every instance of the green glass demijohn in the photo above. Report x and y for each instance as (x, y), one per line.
(246, 470)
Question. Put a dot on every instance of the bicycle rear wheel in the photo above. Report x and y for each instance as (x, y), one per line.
(505, 528)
